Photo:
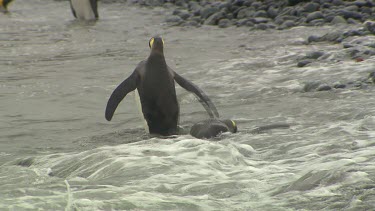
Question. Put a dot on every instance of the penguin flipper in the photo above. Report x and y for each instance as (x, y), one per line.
(128, 85)
(203, 98)
(73, 11)
(94, 6)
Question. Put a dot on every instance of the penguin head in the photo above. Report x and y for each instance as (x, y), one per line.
(4, 5)
(231, 125)
(156, 44)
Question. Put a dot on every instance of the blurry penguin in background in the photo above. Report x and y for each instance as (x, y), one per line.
(4, 5)
(84, 9)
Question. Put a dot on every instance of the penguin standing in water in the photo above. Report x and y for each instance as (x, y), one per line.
(84, 9)
(154, 81)
(4, 5)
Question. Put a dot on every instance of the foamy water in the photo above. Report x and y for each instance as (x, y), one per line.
(57, 152)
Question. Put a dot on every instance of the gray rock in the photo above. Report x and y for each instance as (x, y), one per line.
(184, 14)
(352, 8)
(323, 87)
(311, 7)
(314, 55)
(339, 85)
(214, 18)
(224, 23)
(363, 3)
(370, 26)
(272, 12)
(350, 14)
(303, 63)
(315, 38)
(245, 13)
(261, 13)
(314, 16)
(260, 20)
(338, 20)
(208, 11)
(288, 24)
(261, 26)
(337, 2)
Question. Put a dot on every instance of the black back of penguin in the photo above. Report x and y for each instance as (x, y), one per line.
(85, 9)
(157, 92)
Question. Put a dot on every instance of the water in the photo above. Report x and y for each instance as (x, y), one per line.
(57, 151)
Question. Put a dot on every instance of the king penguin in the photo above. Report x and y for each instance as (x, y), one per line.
(4, 5)
(155, 83)
(85, 9)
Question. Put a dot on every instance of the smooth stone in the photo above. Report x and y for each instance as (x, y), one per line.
(303, 63)
(339, 85)
(261, 13)
(245, 13)
(214, 18)
(350, 14)
(208, 11)
(260, 20)
(261, 26)
(337, 2)
(272, 12)
(311, 7)
(288, 24)
(314, 15)
(370, 26)
(314, 55)
(323, 87)
(224, 23)
(338, 20)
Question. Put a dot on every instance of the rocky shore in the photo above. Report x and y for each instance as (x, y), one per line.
(267, 14)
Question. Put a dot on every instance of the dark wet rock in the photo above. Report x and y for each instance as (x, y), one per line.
(184, 14)
(347, 45)
(303, 63)
(339, 85)
(352, 8)
(245, 22)
(272, 12)
(262, 26)
(311, 7)
(323, 87)
(338, 2)
(260, 20)
(288, 24)
(311, 86)
(295, 2)
(371, 77)
(350, 14)
(208, 11)
(261, 13)
(338, 20)
(224, 23)
(214, 18)
(370, 26)
(363, 3)
(245, 13)
(317, 22)
(314, 55)
(314, 16)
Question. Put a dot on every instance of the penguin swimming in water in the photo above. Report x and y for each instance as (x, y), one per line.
(212, 128)
(85, 9)
(4, 5)
(154, 81)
